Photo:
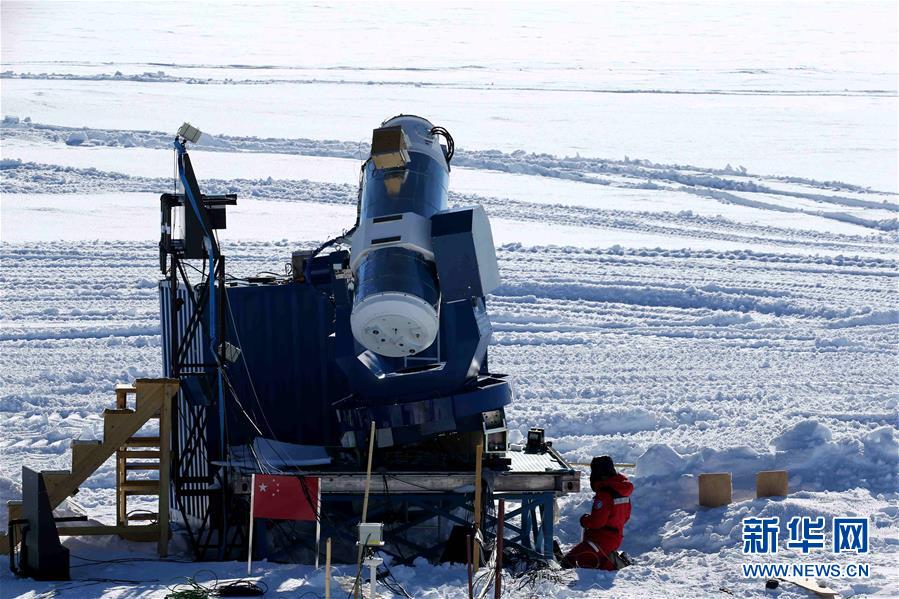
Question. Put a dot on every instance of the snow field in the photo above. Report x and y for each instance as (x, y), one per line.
(695, 210)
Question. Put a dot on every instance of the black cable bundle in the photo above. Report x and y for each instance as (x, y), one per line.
(450, 144)
(191, 589)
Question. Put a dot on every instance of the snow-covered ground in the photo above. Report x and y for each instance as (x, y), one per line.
(695, 208)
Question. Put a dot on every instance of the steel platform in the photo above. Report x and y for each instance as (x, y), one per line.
(434, 500)
(528, 473)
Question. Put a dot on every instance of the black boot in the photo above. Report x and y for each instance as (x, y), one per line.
(557, 551)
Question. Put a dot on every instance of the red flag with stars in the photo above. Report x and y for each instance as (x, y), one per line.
(284, 497)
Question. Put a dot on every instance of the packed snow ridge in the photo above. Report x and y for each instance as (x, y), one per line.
(163, 77)
(575, 168)
(30, 178)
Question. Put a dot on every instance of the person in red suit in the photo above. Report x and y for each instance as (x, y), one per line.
(604, 525)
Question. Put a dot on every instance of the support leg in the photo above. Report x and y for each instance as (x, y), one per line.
(165, 421)
(526, 515)
(548, 523)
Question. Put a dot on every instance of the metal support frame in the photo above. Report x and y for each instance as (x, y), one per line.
(530, 524)
(534, 533)
(188, 355)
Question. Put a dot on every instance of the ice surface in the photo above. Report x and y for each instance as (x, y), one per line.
(694, 205)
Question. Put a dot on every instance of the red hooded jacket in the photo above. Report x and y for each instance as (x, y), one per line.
(611, 510)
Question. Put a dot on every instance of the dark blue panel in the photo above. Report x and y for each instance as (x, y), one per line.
(413, 420)
(455, 255)
(396, 269)
(285, 378)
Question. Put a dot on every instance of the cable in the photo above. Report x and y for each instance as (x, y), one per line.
(389, 581)
(365, 549)
(191, 589)
(307, 273)
(450, 144)
(123, 560)
(154, 518)
(89, 582)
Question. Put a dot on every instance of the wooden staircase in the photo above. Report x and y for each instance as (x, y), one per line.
(152, 399)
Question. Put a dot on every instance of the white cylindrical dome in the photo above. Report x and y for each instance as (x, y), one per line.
(394, 324)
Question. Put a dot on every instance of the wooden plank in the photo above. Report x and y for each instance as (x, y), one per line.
(715, 489)
(444, 482)
(56, 478)
(154, 391)
(121, 501)
(141, 442)
(140, 487)
(117, 420)
(14, 512)
(121, 394)
(82, 450)
(772, 483)
(99, 529)
(357, 588)
(165, 425)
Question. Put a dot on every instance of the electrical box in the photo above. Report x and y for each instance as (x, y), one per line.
(536, 440)
(496, 435)
(371, 534)
(298, 260)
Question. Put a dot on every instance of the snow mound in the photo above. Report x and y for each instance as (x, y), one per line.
(805, 435)
(666, 482)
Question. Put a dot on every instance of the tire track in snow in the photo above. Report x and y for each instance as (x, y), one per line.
(29, 177)
(603, 171)
(678, 362)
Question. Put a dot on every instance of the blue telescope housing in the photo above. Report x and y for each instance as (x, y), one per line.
(413, 338)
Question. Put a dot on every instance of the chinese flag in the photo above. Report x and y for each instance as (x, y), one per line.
(284, 497)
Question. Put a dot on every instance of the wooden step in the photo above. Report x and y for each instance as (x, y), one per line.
(55, 479)
(152, 391)
(14, 509)
(83, 449)
(140, 487)
(122, 390)
(142, 442)
(141, 401)
(115, 421)
(143, 390)
(120, 425)
(139, 453)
